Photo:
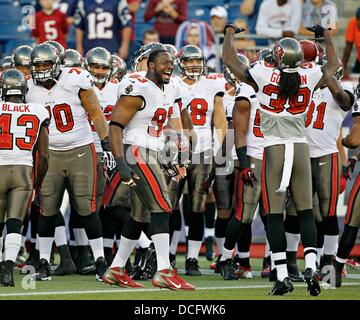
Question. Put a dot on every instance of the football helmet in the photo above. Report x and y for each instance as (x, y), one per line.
(59, 49)
(176, 152)
(287, 54)
(21, 56)
(72, 58)
(13, 83)
(5, 63)
(310, 50)
(99, 56)
(119, 67)
(189, 53)
(44, 54)
(263, 54)
(171, 49)
(144, 53)
(229, 76)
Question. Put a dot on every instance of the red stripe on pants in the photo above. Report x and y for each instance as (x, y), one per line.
(93, 197)
(239, 197)
(109, 189)
(353, 192)
(151, 179)
(263, 187)
(334, 184)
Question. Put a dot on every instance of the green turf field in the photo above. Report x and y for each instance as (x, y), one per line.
(208, 286)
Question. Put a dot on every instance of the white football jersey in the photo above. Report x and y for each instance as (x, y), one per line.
(254, 139)
(283, 120)
(145, 129)
(107, 98)
(69, 127)
(199, 99)
(20, 125)
(323, 122)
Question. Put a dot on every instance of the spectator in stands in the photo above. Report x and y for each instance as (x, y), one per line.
(134, 6)
(318, 12)
(50, 24)
(243, 45)
(198, 34)
(250, 9)
(169, 15)
(218, 19)
(103, 23)
(279, 18)
(352, 36)
(150, 36)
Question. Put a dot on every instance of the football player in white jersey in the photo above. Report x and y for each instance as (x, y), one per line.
(202, 96)
(69, 96)
(284, 91)
(246, 122)
(136, 135)
(23, 125)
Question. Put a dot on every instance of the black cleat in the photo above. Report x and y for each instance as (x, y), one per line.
(273, 275)
(293, 272)
(312, 280)
(66, 267)
(192, 267)
(83, 262)
(209, 248)
(282, 287)
(227, 269)
(43, 273)
(8, 274)
(146, 264)
(100, 267)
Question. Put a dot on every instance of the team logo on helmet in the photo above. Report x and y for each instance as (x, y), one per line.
(279, 51)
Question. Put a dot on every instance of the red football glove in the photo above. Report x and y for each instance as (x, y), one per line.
(248, 176)
(343, 180)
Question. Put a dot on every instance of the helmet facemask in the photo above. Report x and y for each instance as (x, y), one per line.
(195, 71)
(44, 76)
(100, 78)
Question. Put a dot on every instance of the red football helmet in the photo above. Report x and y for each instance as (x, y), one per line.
(310, 50)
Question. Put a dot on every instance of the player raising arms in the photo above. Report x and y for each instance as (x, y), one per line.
(284, 91)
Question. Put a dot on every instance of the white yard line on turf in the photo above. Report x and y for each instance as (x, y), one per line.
(25, 294)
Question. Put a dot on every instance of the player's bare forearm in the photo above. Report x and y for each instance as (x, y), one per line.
(241, 116)
(219, 118)
(116, 136)
(175, 124)
(91, 104)
(43, 156)
(352, 140)
(341, 97)
(79, 37)
(229, 55)
(331, 54)
(341, 149)
(188, 127)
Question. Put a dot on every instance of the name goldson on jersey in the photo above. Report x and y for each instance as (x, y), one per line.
(16, 108)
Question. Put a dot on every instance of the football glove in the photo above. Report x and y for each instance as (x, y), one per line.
(105, 144)
(248, 177)
(125, 172)
(236, 29)
(318, 31)
(108, 164)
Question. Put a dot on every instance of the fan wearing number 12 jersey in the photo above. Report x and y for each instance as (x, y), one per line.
(69, 96)
(284, 91)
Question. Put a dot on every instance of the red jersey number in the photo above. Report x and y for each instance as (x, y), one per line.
(198, 108)
(319, 122)
(31, 123)
(107, 113)
(157, 122)
(297, 104)
(256, 127)
(64, 120)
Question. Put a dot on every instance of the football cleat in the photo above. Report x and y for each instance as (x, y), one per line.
(296, 277)
(146, 264)
(192, 267)
(66, 267)
(243, 273)
(119, 276)
(353, 263)
(8, 274)
(282, 287)
(227, 269)
(44, 273)
(168, 278)
(209, 248)
(101, 267)
(273, 275)
(312, 279)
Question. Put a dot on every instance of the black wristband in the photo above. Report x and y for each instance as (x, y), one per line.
(117, 124)
(105, 144)
(242, 157)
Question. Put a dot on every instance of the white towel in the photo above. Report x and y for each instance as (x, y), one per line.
(288, 164)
